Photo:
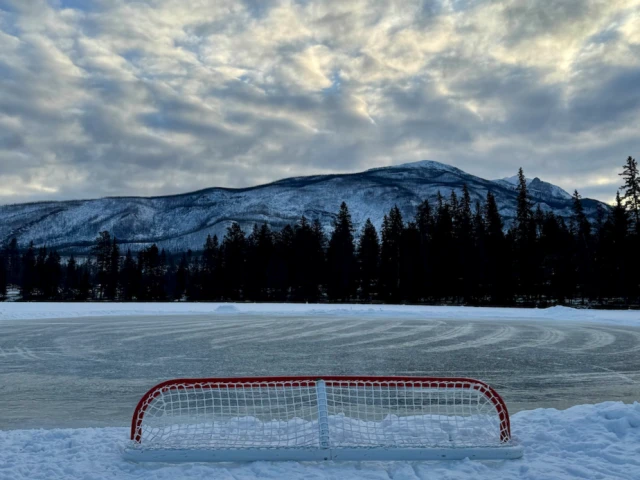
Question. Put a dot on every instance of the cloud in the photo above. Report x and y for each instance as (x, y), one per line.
(114, 97)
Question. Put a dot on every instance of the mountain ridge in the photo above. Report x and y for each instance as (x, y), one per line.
(183, 220)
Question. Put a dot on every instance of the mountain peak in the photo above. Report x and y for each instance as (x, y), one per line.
(421, 164)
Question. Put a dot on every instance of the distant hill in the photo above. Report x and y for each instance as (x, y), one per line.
(183, 221)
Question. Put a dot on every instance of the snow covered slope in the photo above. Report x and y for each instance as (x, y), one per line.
(183, 221)
(588, 442)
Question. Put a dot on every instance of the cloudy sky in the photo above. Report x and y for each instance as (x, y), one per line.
(150, 97)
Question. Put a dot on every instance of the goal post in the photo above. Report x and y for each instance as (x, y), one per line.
(321, 418)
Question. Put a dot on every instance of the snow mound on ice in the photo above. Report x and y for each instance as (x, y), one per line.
(226, 309)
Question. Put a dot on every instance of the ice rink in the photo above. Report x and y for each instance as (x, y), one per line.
(91, 371)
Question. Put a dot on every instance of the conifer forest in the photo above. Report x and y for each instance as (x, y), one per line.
(453, 252)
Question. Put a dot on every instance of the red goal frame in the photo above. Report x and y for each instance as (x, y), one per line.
(306, 381)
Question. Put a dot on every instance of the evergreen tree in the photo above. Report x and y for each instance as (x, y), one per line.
(28, 268)
(41, 273)
(129, 278)
(478, 261)
(3, 277)
(71, 279)
(102, 252)
(443, 250)
(464, 251)
(368, 259)
(341, 257)
(583, 226)
(53, 272)
(305, 252)
(195, 286)
(112, 276)
(211, 269)
(498, 259)
(617, 246)
(425, 223)
(526, 256)
(84, 287)
(583, 254)
(390, 254)
(151, 268)
(263, 261)
(556, 252)
(524, 211)
(410, 273)
(281, 268)
(182, 278)
(233, 261)
(317, 260)
(631, 189)
(13, 261)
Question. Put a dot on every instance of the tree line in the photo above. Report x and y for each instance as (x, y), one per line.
(452, 251)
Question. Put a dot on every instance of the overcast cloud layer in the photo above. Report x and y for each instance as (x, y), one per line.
(114, 97)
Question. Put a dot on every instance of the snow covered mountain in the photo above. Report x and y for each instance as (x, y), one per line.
(183, 221)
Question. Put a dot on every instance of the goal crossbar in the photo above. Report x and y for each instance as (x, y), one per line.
(321, 418)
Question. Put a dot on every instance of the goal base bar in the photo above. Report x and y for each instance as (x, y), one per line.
(337, 454)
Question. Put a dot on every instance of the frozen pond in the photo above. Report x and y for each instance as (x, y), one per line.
(83, 372)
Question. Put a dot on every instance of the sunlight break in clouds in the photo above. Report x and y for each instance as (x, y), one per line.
(111, 97)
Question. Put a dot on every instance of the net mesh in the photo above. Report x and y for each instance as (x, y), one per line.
(313, 414)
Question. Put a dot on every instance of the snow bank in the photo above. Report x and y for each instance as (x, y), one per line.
(588, 441)
(18, 310)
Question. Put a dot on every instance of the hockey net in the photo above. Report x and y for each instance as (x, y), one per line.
(330, 418)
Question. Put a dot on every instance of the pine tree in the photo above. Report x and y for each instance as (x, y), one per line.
(619, 247)
(182, 278)
(498, 273)
(305, 251)
(28, 273)
(410, 272)
(443, 250)
(151, 268)
(556, 254)
(13, 261)
(341, 257)
(84, 287)
(211, 269)
(129, 278)
(583, 227)
(71, 279)
(281, 269)
(463, 238)
(112, 276)
(53, 272)
(631, 189)
(3, 277)
(391, 245)
(102, 252)
(524, 212)
(526, 256)
(317, 260)
(478, 261)
(264, 261)
(233, 261)
(41, 273)
(368, 259)
(425, 223)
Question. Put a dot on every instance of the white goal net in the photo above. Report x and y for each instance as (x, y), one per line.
(329, 418)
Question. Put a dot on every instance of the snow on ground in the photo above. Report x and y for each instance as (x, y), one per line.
(20, 310)
(588, 442)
